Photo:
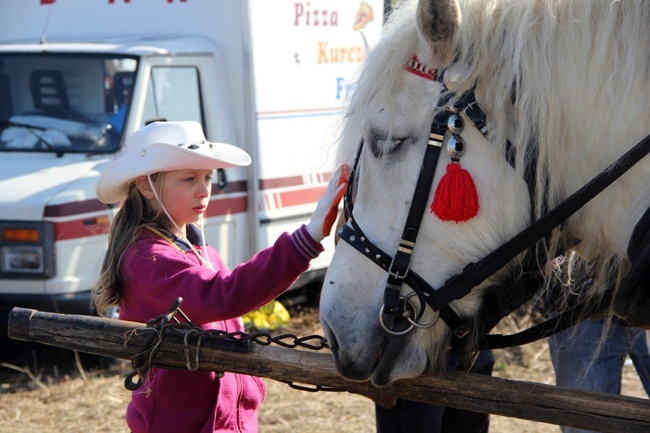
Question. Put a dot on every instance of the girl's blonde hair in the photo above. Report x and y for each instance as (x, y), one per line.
(134, 215)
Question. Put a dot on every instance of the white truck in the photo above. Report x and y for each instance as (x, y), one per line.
(77, 76)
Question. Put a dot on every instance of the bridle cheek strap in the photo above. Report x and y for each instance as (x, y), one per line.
(398, 267)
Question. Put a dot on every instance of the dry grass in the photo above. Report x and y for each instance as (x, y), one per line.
(51, 401)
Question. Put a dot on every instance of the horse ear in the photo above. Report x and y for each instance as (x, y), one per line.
(438, 24)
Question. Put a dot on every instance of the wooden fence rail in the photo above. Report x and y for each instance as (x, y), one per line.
(527, 400)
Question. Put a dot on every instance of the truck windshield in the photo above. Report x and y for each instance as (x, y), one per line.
(53, 102)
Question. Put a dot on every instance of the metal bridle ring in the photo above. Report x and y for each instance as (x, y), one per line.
(413, 322)
(390, 331)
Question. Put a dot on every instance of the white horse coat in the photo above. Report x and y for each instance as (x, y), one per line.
(570, 79)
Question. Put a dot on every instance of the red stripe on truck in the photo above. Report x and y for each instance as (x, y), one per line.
(84, 227)
(300, 197)
(220, 205)
(74, 208)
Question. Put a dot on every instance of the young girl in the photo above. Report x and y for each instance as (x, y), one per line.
(156, 253)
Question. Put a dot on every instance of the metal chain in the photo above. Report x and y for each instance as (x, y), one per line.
(145, 357)
(289, 341)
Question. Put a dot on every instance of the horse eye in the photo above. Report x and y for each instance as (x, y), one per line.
(381, 144)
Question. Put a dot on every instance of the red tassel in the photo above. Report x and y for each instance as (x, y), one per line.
(456, 198)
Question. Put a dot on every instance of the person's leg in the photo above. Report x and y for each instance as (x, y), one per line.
(639, 354)
(409, 417)
(462, 421)
(414, 417)
(572, 353)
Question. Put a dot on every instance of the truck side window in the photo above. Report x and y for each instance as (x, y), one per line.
(173, 94)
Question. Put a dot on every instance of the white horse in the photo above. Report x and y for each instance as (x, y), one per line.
(567, 83)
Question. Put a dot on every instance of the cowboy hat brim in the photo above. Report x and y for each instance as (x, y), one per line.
(158, 157)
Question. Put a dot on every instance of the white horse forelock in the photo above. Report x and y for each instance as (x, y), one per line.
(579, 73)
(380, 75)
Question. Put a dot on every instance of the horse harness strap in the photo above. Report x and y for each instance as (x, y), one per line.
(473, 274)
(401, 263)
(556, 324)
(355, 238)
(398, 267)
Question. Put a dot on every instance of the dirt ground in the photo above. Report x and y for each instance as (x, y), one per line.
(37, 398)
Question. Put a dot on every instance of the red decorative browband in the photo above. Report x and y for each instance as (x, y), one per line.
(415, 67)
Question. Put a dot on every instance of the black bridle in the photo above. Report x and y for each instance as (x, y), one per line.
(398, 267)
(397, 307)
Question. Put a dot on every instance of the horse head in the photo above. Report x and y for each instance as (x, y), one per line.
(436, 58)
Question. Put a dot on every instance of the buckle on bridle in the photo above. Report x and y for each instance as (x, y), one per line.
(396, 274)
(476, 116)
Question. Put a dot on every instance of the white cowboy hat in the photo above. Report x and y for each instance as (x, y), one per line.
(165, 146)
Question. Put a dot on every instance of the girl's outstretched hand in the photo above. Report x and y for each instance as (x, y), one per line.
(324, 216)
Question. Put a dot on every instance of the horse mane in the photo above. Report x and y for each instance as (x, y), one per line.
(529, 47)
(569, 66)
(557, 69)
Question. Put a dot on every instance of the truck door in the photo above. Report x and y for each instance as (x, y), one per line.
(176, 90)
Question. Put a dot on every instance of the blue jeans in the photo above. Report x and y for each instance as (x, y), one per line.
(572, 353)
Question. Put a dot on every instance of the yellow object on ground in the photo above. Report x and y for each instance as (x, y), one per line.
(268, 317)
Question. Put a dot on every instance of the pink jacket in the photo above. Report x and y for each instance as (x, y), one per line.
(154, 274)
